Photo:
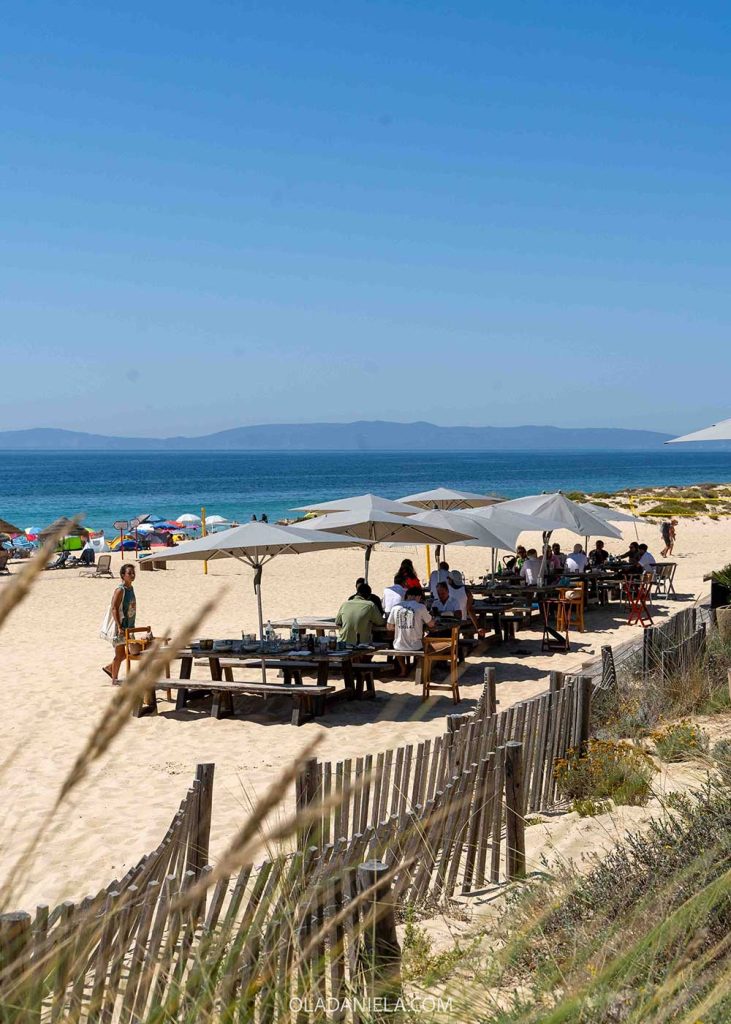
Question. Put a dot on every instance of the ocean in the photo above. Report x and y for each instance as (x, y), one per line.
(37, 487)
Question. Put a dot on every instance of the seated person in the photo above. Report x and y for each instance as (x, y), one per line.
(599, 555)
(438, 576)
(445, 603)
(515, 564)
(463, 597)
(395, 594)
(408, 621)
(371, 596)
(558, 559)
(577, 560)
(409, 573)
(357, 617)
(531, 567)
(647, 561)
(634, 549)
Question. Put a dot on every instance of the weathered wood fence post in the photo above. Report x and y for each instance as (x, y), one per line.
(15, 947)
(306, 794)
(490, 692)
(583, 716)
(380, 953)
(514, 821)
(555, 682)
(200, 832)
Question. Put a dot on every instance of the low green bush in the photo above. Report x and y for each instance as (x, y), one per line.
(680, 741)
(721, 754)
(608, 770)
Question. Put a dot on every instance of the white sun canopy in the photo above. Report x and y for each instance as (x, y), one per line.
(377, 526)
(557, 512)
(448, 499)
(718, 432)
(363, 503)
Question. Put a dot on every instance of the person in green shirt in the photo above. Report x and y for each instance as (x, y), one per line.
(357, 617)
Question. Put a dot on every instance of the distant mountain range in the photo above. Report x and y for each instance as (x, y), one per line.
(365, 435)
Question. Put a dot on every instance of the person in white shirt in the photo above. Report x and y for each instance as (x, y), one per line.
(458, 590)
(445, 603)
(439, 575)
(647, 561)
(395, 594)
(577, 560)
(531, 568)
(408, 621)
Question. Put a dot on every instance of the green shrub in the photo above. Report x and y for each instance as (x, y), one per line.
(680, 741)
(722, 756)
(586, 807)
(723, 576)
(608, 770)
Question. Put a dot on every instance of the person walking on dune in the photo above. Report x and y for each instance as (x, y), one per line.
(124, 611)
(668, 537)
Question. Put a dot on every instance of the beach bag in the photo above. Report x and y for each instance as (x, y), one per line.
(108, 629)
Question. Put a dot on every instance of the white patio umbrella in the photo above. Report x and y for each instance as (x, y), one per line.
(557, 512)
(255, 544)
(611, 515)
(720, 431)
(481, 534)
(215, 520)
(364, 503)
(377, 526)
(188, 517)
(448, 499)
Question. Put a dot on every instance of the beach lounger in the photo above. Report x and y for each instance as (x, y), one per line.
(102, 568)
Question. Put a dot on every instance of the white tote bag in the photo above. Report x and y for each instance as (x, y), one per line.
(108, 629)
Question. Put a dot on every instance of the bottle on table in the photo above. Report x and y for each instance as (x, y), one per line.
(295, 632)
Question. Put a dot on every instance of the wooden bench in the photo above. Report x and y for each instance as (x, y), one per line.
(307, 701)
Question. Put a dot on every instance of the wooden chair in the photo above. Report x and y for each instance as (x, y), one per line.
(570, 611)
(438, 648)
(638, 595)
(135, 647)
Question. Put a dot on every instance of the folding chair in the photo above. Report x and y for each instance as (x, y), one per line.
(552, 639)
(102, 568)
(664, 580)
(638, 594)
(441, 649)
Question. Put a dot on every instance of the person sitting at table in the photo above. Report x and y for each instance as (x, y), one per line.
(647, 561)
(558, 559)
(463, 596)
(394, 594)
(531, 568)
(409, 573)
(515, 563)
(357, 617)
(598, 555)
(374, 598)
(408, 621)
(577, 561)
(445, 603)
(437, 576)
(634, 549)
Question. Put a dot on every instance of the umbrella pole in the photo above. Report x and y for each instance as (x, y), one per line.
(257, 590)
(367, 562)
(544, 560)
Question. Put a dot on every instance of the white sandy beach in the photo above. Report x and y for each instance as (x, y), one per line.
(55, 692)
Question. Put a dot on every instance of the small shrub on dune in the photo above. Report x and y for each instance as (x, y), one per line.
(608, 771)
(680, 741)
(722, 756)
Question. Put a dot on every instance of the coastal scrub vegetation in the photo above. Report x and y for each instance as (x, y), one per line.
(607, 770)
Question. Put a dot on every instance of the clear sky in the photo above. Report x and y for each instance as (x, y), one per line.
(224, 213)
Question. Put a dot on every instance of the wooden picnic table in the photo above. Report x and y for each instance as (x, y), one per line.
(318, 624)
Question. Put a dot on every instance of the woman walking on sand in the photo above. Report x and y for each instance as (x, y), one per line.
(668, 537)
(124, 610)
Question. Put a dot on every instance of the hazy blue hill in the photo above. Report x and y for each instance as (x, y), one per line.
(361, 436)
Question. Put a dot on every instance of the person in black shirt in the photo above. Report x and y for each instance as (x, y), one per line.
(599, 555)
(361, 586)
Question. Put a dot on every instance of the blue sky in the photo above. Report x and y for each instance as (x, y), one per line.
(228, 213)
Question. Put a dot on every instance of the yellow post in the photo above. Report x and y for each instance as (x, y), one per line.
(203, 534)
(428, 561)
